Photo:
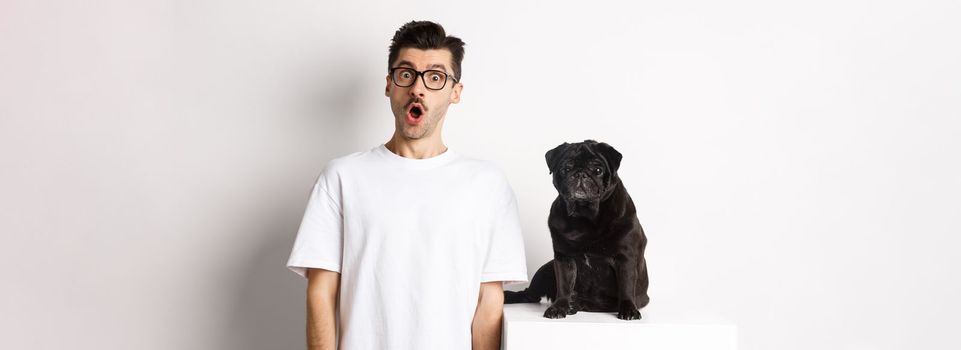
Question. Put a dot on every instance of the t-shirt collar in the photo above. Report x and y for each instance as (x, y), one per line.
(412, 163)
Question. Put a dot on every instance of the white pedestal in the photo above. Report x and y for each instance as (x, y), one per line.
(525, 328)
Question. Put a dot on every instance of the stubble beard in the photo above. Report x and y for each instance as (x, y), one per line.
(419, 131)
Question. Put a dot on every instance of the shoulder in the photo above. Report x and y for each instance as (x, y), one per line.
(491, 182)
(341, 167)
(348, 162)
(483, 170)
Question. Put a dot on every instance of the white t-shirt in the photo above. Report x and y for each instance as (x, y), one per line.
(412, 239)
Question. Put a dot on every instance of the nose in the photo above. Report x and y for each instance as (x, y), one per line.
(418, 89)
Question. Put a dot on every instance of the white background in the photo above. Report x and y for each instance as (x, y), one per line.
(795, 164)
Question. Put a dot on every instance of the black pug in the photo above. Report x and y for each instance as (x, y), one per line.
(598, 242)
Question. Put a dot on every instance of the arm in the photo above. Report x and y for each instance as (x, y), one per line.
(486, 327)
(322, 287)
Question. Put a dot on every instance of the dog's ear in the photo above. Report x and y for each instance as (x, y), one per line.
(612, 155)
(554, 156)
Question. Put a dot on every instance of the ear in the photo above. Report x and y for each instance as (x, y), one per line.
(554, 156)
(612, 155)
(387, 87)
(455, 92)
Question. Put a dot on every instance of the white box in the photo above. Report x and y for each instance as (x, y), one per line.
(526, 328)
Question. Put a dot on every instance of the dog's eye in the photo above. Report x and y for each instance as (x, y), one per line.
(598, 171)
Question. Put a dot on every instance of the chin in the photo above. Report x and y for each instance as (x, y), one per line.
(415, 134)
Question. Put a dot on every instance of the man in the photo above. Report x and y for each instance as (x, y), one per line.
(413, 239)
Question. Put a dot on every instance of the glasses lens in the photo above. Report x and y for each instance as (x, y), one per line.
(435, 79)
(404, 77)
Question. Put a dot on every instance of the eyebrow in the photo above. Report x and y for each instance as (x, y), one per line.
(429, 66)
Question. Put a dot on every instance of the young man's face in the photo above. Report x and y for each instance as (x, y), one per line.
(418, 111)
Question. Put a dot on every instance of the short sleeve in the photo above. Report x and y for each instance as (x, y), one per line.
(505, 257)
(319, 242)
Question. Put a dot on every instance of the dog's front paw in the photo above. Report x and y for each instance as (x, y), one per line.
(627, 311)
(555, 312)
(559, 309)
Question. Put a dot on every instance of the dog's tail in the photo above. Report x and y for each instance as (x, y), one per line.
(542, 284)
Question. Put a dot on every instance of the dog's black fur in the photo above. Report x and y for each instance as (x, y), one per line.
(599, 263)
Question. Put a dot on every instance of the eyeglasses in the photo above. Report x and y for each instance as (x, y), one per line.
(433, 79)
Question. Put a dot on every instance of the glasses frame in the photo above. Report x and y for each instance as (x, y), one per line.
(420, 74)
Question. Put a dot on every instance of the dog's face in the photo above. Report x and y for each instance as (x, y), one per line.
(583, 171)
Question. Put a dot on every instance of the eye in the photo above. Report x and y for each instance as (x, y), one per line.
(435, 77)
(405, 75)
(598, 171)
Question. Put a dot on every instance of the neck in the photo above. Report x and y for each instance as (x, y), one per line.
(416, 148)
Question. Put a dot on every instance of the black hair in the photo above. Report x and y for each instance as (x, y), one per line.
(427, 35)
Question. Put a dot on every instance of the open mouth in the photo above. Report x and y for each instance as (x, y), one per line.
(415, 111)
